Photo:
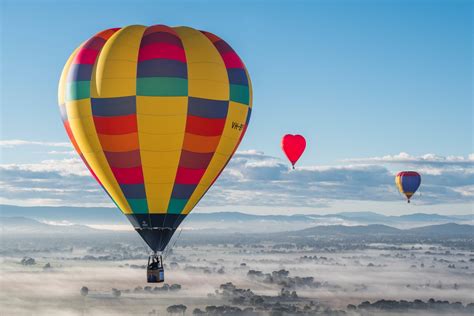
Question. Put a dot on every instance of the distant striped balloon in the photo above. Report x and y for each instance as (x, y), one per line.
(155, 113)
(408, 182)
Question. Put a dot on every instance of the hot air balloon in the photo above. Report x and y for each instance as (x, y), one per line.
(407, 183)
(155, 113)
(293, 146)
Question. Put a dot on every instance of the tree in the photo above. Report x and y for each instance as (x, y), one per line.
(177, 309)
(28, 261)
(84, 291)
(116, 293)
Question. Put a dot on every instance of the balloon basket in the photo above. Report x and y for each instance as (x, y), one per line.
(155, 272)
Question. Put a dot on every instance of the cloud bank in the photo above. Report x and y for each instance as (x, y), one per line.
(253, 178)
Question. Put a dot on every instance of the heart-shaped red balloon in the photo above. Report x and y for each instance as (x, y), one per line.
(293, 146)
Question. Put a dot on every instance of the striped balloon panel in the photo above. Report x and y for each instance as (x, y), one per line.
(156, 113)
(75, 85)
(240, 93)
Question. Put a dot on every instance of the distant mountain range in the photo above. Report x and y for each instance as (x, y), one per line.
(449, 229)
(111, 216)
(27, 226)
(416, 217)
(23, 225)
(79, 215)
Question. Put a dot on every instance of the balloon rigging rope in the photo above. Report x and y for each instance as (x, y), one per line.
(168, 249)
(174, 243)
(172, 227)
(163, 228)
(145, 245)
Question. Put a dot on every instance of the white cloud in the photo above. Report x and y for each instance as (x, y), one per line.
(50, 182)
(467, 191)
(57, 223)
(19, 142)
(427, 159)
(63, 167)
(62, 152)
(253, 178)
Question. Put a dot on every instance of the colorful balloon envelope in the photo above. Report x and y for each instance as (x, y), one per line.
(293, 146)
(156, 114)
(408, 182)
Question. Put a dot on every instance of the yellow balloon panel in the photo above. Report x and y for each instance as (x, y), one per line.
(172, 124)
(160, 159)
(152, 142)
(117, 64)
(162, 106)
(77, 109)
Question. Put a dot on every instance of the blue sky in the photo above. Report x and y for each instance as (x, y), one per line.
(360, 79)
